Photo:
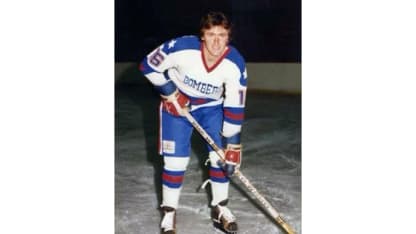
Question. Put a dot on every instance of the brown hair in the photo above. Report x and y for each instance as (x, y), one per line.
(215, 19)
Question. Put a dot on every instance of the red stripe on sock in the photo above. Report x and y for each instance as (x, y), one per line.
(217, 174)
(172, 178)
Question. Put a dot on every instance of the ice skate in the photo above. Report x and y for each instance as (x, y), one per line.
(223, 219)
(168, 224)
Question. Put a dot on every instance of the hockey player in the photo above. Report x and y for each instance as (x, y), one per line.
(208, 78)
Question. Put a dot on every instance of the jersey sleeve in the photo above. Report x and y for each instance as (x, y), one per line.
(234, 104)
(155, 65)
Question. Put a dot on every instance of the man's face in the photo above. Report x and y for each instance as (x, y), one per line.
(215, 40)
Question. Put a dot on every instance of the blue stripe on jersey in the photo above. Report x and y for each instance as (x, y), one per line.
(236, 58)
(145, 68)
(200, 101)
(243, 80)
(166, 89)
(234, 115)
(232, 140)
(181, 43)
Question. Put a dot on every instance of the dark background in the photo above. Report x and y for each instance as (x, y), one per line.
(264, 30)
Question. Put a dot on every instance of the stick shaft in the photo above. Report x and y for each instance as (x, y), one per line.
(276, 216)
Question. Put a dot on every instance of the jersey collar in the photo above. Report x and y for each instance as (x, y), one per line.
(209, 69)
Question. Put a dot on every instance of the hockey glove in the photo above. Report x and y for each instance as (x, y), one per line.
(232, 159)
(182, 100)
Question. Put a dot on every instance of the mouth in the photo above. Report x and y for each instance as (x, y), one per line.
(217, 48)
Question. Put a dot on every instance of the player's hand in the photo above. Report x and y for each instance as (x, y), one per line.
(232, 159)
(177, 96)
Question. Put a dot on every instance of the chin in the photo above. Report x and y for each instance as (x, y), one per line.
(217, 52)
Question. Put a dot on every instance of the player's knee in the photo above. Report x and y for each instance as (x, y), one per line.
(213, 159)
(176, 163)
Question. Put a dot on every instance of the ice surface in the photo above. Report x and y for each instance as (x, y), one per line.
(271, 161)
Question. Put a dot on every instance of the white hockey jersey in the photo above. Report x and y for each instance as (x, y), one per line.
(181, 60)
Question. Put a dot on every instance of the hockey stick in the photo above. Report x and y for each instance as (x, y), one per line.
(274, 214)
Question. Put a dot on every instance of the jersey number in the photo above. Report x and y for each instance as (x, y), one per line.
(242, 96)
(156, 58)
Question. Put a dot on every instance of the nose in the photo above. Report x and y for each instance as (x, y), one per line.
(216, 39)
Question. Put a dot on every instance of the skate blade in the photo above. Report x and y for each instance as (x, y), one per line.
(168, 232)
(219, 227)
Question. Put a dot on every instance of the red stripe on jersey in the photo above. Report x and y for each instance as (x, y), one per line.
(198, 101)
(141, 67)
(231, 115)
